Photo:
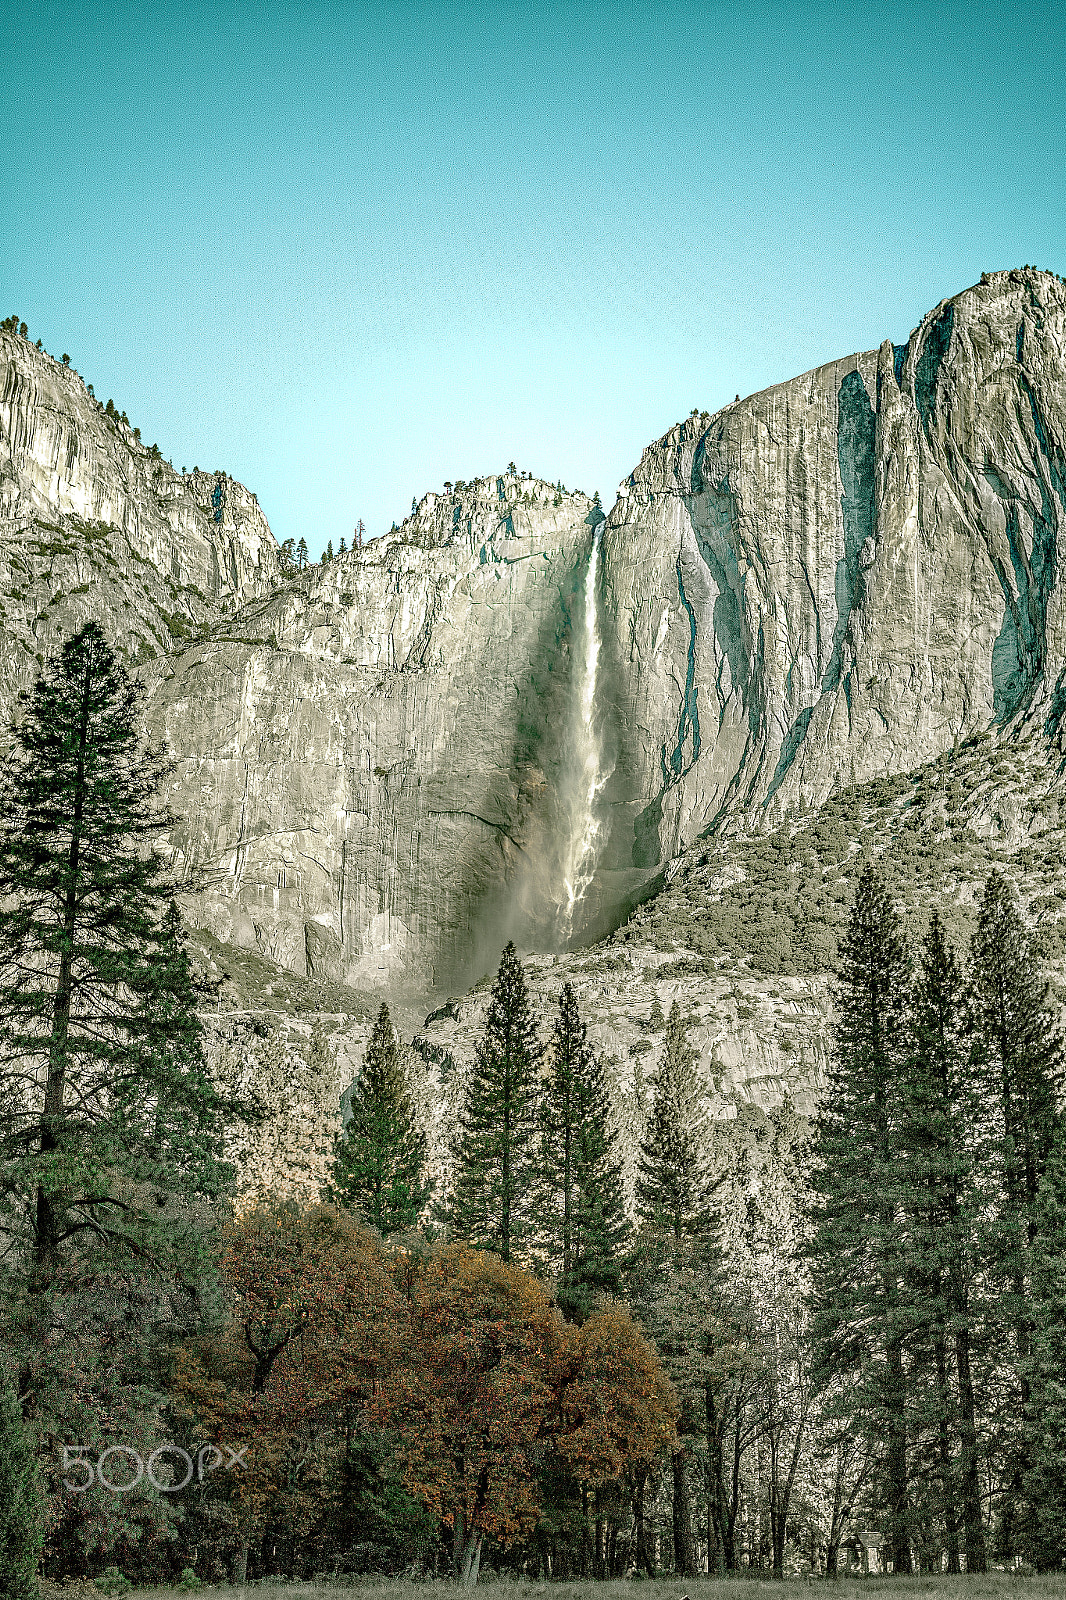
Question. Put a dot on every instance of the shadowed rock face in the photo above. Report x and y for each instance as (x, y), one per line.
(842, 575)
(834, 579)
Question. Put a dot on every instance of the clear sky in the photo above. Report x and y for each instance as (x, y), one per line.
(348, 251)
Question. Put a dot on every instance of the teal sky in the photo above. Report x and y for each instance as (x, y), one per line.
(347, 252)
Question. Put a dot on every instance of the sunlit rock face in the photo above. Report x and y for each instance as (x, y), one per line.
(370, 758)
(95, 524)
(842, 575)
(836, 578)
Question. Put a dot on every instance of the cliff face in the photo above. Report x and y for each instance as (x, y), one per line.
(94, 524)
(843, 575)
(370, 757)
(837, 578)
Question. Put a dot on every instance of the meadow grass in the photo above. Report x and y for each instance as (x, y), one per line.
(990, 1586)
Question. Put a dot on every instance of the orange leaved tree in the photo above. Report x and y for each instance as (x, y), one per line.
(307, 1337)
(471, 1401)
(615, 1408)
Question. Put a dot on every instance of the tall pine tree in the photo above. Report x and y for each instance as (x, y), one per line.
(853, 1247)
(674, 1193)
(1018, 1075)
(936, 1174)
(493, 1194)
(583, 1225)
(1044, 1530)
(380, 1154)
(111, 1129)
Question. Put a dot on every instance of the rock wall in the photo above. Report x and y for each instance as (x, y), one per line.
(369, 757)
(840, 576)
(837, 578)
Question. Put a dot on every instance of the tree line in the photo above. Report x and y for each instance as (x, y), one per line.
(769, 1335)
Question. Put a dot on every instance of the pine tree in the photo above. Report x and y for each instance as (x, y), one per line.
(935, 1172)
(301, 553)
(111, 1130)
(1044, 1531)
(1018, 1074)
(20, 1504)
(584, 1225)
(853, 1254)
(495, 1156)
(673, 1192)
(380, 1155)
(673, 1202)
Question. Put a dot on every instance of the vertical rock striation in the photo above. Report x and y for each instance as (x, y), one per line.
(843, 575)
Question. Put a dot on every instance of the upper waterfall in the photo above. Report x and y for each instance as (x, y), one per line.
(586, 773)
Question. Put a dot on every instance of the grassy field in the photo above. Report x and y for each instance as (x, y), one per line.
(993, 1586)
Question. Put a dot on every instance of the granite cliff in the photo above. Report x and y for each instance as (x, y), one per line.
(835, 579)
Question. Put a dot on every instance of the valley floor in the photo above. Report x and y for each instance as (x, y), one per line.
(991, 1586)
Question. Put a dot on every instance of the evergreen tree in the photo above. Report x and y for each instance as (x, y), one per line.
(111, 1130)
(673, 1201)
(853, 1247)
(584, 1224)
(495, 1157)
(1018, 1074)
(673, 1192)
(342, 548)
(301, 553)
(20, 1504)
(380, 1154)
(1045, 1513)
(937, 1181)
(328, 555)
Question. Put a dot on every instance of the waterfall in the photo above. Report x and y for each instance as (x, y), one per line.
(584, 775)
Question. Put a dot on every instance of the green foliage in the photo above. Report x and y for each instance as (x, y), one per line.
(21, 1505)
(111, 1128)
(380, 1154)
(583, 1220)
(493, 1200)
(853, 1249)
(113, 1582)
(1044, 1522)
(673, 1190)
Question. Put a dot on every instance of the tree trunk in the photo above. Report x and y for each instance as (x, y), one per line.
(899, 1544)
(684, 1555)
(470, 1559)
(951, 1515)
(643, 1557)
(973, 1521)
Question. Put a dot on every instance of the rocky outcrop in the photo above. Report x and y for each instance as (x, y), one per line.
(842, 575)
(95, 524)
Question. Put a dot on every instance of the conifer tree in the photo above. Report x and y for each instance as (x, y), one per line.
(1045, 1488)
(584, 1224)
(1018, 1074)
(493, 1197)
(937, 1181)
(110, 1128)
(20, 1503)
(673, 1192)
(853, 1249)
(301, 553)
(379, 1156)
